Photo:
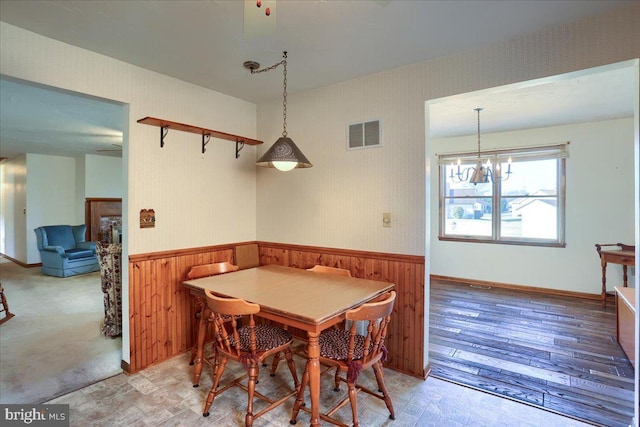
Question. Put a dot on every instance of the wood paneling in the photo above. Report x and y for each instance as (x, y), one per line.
(161, 310)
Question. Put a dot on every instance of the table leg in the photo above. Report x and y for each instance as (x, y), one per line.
(202, 331)
(314, 377)
(604, 284)
(624, 274)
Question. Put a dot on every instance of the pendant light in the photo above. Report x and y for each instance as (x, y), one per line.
(283, 155)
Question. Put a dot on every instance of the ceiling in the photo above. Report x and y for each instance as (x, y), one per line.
(206, 43)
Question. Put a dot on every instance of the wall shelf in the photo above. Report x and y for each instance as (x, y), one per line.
(165, 125)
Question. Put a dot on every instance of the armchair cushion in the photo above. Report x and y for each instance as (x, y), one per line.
(78, 253)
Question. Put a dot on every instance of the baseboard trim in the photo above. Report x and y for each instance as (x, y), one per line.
(533, 289)
(124, 366)
(20, 263)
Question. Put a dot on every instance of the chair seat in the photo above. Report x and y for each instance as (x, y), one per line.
(267, 337)
(334, 344)
(78, 253)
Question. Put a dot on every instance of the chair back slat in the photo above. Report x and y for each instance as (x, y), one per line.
(198, 271)
(377, 316)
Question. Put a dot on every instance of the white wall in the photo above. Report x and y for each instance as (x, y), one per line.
(51, 196)
(80, 188)
(599, 209)
(13, 201)
(103, 177)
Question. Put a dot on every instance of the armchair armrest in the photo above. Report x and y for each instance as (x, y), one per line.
(57, 249)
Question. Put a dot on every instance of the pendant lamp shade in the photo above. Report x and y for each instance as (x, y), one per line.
(284, 155)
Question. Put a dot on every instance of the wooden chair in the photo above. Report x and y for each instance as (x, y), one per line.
(350, 352)
(196, 272)
(247, 256)
(330, 270)
(249, 345)
(5, 307)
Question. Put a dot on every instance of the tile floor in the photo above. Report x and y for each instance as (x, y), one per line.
(162, 395)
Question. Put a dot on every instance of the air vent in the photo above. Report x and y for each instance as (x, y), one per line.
(364, 135)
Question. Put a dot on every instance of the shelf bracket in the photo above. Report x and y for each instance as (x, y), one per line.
(205, 140)
(164, 130)
(239, 147)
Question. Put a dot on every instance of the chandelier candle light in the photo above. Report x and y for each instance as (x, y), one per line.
(481, 174)
(283, 155)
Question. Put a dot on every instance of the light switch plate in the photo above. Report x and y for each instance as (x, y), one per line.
(386, 219)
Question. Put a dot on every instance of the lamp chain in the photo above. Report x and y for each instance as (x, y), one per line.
(478, 110)
(284, 97)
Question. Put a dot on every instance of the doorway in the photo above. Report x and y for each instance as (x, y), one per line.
(40, 123)
(544, 107)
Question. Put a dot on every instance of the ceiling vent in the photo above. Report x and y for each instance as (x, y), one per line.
(364, 135)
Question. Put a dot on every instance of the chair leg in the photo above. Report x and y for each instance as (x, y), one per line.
(292, 367)
(300, 396)
(216, 379)
(337, 380)
(353, 400)
(274, 364)
(377, 369)
(251, 388)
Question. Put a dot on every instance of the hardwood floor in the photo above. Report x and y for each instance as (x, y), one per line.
(555, 352)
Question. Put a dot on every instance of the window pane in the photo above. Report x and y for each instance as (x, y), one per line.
(531, 178)
(530, 218)
(467, 217)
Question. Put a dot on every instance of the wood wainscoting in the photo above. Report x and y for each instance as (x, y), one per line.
(161, 310)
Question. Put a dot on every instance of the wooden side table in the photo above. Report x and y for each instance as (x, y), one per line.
(626, 256)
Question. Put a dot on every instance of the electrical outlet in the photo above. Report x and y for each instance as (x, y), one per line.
(386, 219)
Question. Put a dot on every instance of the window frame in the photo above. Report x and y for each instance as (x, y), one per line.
(558, 152)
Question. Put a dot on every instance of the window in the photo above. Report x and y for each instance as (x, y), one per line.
(525, 207)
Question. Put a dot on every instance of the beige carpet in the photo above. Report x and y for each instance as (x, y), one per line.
(53, 345)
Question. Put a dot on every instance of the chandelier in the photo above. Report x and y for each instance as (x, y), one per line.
(283, 155)
(480, 174)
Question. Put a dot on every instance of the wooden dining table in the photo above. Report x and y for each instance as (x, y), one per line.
(295, 297)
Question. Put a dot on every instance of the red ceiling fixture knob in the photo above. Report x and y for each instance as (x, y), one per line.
(267, 11)
(259, 3)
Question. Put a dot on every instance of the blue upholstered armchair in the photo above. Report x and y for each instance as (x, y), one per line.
(64, 251)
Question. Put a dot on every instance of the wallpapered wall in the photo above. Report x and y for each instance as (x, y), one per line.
(339, 202)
